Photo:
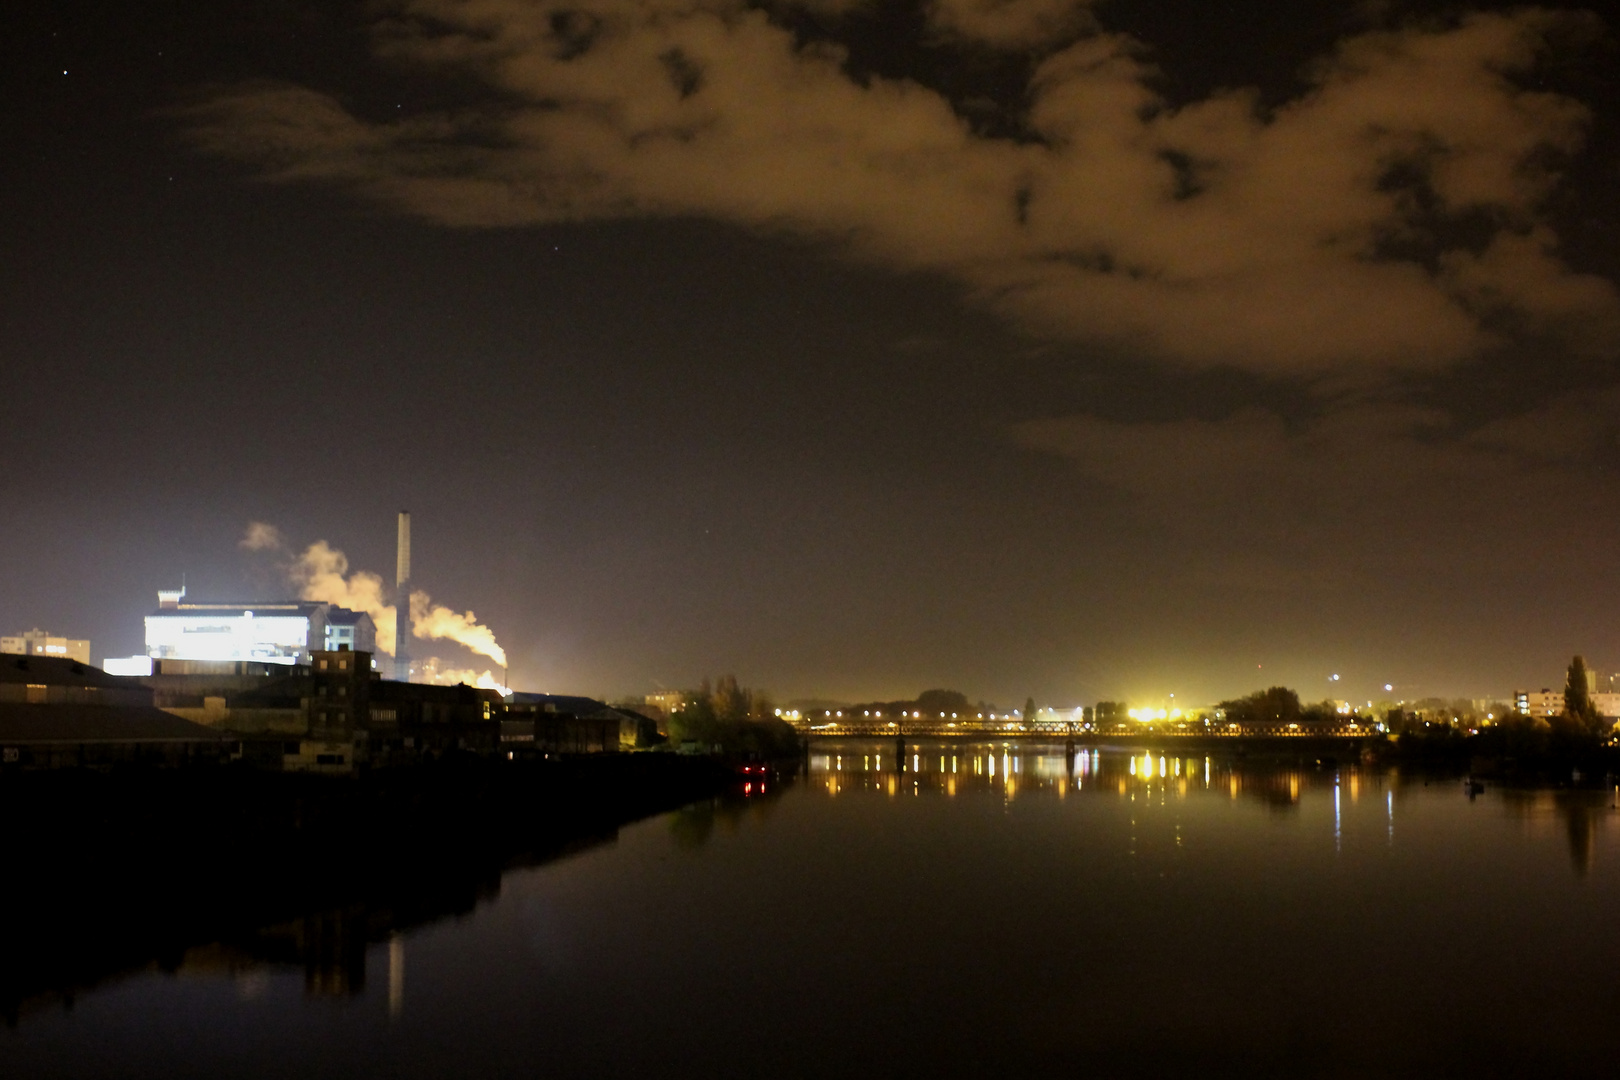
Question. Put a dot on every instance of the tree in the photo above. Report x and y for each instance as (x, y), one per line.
(934, 702)
(730, 716)
(729, 700)
(1577, 695)
(1275, 705)
(1326, 709)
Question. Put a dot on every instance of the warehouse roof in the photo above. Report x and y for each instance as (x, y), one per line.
(58, 671)
(583, 707)
(39, 725)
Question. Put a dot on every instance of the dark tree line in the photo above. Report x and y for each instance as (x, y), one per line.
(1578, 734)
(1275, 705)
(725, 714)
(931, 703)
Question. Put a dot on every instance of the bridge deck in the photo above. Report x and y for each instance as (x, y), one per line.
(1064, 733)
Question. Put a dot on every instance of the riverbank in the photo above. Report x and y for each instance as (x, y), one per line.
(114, 872)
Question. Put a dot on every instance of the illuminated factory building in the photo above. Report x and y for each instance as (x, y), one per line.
(273, 632)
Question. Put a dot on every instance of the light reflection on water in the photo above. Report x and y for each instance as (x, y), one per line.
(998, 908)
(1025, 770)
(1014, 769)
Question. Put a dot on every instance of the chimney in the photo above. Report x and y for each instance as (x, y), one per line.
(402, 601)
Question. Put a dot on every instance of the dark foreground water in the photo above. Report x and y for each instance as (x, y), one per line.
(990, 911)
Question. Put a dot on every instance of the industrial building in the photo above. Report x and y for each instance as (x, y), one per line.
(38, 642)
(330, 715)
(270, 632)
(56, 712)
(290, 685)
(334, 714)
(293, 685)
(567, 724)
(55, 680)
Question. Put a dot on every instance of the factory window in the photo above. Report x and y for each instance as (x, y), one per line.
(37, 694)
(321, 664)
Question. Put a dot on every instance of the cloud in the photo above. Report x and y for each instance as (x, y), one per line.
(1370, 490)
(1014, 25)
(1391, 216)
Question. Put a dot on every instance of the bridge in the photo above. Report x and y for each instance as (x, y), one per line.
(1346, 728)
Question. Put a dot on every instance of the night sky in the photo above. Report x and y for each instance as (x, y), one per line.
(1030, 347)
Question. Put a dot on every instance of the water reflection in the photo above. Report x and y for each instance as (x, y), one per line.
(1582, 813)
(275, 909)
(692, 826)
(1017, 909)
(1027, 770)
(329, 947)
(332, 947)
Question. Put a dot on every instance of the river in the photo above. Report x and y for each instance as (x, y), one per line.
(987, 909)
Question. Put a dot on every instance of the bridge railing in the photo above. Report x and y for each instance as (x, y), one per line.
(988, 729)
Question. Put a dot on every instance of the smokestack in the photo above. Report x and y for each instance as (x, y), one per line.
(402, 601)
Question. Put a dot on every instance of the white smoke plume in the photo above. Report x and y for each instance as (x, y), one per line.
(430, 620)
(434, 670)
(322, 574)
(262, 536)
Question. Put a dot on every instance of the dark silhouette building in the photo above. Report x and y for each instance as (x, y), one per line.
(56, 712)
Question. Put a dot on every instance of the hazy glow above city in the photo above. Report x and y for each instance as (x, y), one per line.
(1082, 353)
